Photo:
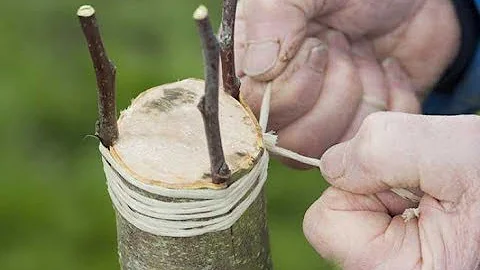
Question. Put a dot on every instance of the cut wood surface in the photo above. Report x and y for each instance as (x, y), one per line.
(162, 138)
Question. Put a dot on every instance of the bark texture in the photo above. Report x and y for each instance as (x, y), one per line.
(244, 246)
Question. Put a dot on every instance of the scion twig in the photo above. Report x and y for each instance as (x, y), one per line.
(208, 104)
(231, 83)
(106, 130)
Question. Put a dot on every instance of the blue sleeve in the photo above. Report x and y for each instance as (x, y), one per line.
(465, 98)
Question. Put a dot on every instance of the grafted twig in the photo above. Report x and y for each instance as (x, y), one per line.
(227, 37)
(208, 104)
(107, 129)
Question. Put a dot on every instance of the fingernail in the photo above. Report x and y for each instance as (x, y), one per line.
(318, 58)
(338, 40)
(332, 163)
(260, 57)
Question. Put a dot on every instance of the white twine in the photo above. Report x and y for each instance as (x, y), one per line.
(208, 212)
(201, 210)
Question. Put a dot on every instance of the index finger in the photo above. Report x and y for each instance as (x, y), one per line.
(357, 231)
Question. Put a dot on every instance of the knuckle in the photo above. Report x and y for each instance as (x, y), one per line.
(372, 121)
(371, 140)
(310, 221)
(316, 219)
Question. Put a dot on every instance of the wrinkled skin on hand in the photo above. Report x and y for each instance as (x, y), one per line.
(356, 222)
(324, 56)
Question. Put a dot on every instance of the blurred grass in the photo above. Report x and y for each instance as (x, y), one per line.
(54, 209)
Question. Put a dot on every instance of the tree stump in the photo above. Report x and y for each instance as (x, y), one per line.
(162, 142)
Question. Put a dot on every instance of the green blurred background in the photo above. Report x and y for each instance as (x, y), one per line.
(55, 212)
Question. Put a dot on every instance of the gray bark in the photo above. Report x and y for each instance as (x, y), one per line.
(244, 246)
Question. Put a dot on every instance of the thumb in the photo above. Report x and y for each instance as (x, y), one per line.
(275, 31)
(395, 150)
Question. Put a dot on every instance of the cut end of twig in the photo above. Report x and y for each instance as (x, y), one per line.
(85, 11)
(200, 13)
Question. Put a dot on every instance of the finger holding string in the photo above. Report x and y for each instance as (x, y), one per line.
(323, 125)
(358, 232)
(275, 31)
(363, 166)
(296, 90)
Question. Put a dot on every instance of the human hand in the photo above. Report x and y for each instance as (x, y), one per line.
(356, 222)
(324, 81)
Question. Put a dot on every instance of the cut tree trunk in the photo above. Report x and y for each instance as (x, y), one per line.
(162, 142)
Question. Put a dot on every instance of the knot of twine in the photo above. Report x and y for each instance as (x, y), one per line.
(190, 212)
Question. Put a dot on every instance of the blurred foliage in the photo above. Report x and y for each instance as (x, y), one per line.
(55, 212)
